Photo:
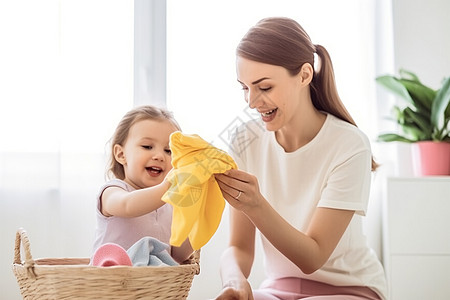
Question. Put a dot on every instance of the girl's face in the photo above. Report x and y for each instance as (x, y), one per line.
(146, 156)
(272, 91)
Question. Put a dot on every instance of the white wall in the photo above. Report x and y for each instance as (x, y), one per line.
(421, 38)
(421, 45)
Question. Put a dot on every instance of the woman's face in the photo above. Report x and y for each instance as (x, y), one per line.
(271, 90)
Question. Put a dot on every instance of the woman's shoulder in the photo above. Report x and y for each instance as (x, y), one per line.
(345, 132)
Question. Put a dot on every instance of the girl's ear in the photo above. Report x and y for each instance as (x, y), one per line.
(306, 74)
(119, 155)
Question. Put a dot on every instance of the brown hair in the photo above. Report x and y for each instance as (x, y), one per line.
(146, 112)
(283, 42)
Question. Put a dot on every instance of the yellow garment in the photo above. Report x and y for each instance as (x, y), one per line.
(196, 198)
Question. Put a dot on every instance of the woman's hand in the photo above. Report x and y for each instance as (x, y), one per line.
(239, 291)
(182, 253)
(240, 189)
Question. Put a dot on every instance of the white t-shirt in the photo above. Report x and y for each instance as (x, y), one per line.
(333, 170)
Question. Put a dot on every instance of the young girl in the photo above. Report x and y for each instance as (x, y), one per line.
(303, 183)
(129, 206)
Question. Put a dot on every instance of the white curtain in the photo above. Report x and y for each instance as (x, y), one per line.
(66, 78)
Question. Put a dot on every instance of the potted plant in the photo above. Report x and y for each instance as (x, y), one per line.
(424, 119)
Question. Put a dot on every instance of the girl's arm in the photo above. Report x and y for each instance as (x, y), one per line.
(308, 250)
(118, 202)
(237, 259)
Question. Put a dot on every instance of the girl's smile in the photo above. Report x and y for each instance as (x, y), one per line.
(146, 155)
(154, 171)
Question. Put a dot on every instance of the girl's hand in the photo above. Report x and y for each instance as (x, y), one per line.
(242, 291)
(240, 189)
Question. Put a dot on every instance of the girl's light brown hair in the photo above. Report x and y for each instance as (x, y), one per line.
(283, 42)
(146, 112)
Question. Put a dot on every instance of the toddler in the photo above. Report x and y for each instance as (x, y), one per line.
(129, 205)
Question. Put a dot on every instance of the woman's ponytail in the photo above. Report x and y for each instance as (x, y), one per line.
(324, 93)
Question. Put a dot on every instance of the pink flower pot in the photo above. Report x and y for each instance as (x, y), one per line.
(431, 158)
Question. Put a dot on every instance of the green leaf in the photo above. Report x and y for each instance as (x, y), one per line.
(398, 114)
(413, 132)
(422, 123)
(421, 94)
(426, 115)
(394, 85)
(440, 105)
(447, 113)
(440, 135)
(392, 137)
(409, 75)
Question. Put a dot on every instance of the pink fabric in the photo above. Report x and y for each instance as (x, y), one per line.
(297, 288)
(109, 255)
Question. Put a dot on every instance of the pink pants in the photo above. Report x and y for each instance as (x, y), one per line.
(296, 288)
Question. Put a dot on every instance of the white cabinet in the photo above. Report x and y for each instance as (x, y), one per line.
(416, 238)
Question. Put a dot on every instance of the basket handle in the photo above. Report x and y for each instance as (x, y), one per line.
(22, 238)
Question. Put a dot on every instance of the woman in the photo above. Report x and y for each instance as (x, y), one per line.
(304, 177)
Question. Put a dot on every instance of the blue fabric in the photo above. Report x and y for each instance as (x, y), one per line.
(149, 251)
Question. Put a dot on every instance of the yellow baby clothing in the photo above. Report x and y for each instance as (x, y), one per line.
(196, 198)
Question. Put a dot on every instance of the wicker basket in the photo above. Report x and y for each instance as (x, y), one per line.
(73, 278)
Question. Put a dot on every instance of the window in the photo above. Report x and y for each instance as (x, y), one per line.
(66, 80)
(67, 73)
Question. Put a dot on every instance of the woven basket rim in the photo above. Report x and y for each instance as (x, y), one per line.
(40, 263)
(50, 278)
(22, 239)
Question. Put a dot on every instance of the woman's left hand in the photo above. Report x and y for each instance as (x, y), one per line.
(240, 189)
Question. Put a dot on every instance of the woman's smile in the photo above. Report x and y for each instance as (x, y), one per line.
(269, 115)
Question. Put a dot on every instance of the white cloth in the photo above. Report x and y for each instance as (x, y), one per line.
(149, 251)
(333, 170)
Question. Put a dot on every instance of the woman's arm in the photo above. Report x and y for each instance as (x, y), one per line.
(237, 259)
(309, 250)
(182, 253)
(118, 202)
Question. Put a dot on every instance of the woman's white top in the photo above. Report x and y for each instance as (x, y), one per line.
(333, 170)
